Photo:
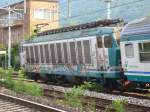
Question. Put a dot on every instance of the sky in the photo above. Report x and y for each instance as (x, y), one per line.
(90, 10)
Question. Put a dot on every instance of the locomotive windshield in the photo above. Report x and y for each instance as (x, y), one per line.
(107, 42)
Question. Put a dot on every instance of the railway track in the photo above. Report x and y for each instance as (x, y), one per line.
(6, 106)
(13, 104)
(57, 92)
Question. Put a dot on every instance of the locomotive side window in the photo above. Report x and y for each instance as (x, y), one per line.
(36, 54)
(99, 42)
(144, 50)
(80, 49)
(59, 53)
(73, 52)
(52, 49)
(108, 41)
(31, 54)
(65, 52)
(47, 53)
(87, 53)
(129, 50)
(42, 54)
(27, 54)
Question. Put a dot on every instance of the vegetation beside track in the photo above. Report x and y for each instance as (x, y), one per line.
(72, 98)
(19, 86)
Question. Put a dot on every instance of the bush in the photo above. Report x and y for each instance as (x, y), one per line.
(21, 73)
(8, 73)
(73, 96)
(20, 86)
(2, 71)
(33, 89)
(119, 105)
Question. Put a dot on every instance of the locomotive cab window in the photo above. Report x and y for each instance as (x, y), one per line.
(99, 42)
(108, 41)
(129, 50)
(144, 52)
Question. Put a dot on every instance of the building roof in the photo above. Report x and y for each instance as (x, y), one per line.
(3, 11)
(21, 1)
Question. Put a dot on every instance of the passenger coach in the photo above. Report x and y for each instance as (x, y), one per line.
(135, 50)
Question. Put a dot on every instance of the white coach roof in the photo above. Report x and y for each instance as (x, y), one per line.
(139, 26)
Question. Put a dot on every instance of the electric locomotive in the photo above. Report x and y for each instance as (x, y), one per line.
(81, 52)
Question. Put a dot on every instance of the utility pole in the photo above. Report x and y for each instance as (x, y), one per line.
(9, 36)
(108, 8)
(25, 6)
(9, 10)
(69, 8)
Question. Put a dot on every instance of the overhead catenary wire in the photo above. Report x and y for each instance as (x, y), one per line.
(94, 12)
(124, 4)
(97, 11)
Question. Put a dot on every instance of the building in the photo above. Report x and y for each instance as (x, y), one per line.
(40, 15)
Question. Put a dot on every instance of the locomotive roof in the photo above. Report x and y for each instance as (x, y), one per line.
(137, 30)
(77, 31)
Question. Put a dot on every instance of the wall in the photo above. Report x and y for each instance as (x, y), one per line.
(45, 24)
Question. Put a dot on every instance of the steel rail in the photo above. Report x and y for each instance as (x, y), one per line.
(30, 104)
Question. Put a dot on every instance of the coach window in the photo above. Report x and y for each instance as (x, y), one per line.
(144, 50)
(108, 41)
(129, 50)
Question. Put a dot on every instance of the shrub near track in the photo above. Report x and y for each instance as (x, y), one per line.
(19, 86)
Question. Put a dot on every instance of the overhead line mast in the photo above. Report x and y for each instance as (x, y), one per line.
(9, 29)
(69, 8)
(108, 8)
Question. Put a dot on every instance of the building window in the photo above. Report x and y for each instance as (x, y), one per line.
(44, 14)
(129, 50)
(144, 50)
